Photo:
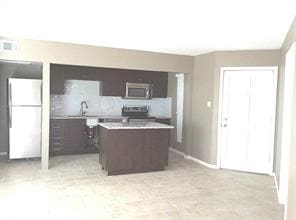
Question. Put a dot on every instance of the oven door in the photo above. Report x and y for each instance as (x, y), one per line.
(137, 91)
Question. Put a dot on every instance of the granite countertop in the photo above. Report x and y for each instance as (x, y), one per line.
(86, 116)
(135, 125)
(96, 116)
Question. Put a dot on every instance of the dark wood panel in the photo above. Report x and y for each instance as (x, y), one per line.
(95, 74)
(57, 138)
(75, 134)
(57, 80)
(114, 80)
(68, 136)
(133, 150)
(159, 82)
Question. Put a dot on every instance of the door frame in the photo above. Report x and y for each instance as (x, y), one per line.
(286, 142)
(220, 107)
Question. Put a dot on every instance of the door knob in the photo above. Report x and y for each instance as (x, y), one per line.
(224, 125)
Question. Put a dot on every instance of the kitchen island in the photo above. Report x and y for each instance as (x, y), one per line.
(134, 147)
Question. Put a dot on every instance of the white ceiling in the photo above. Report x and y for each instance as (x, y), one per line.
(172, 26)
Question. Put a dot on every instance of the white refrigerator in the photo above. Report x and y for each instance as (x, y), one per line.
(25, 108)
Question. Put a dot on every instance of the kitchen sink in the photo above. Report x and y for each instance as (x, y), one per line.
(91, 120)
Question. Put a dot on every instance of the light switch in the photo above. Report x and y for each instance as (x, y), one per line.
(209, 104)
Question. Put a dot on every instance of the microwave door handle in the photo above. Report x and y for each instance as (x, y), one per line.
(151, 91)
(147, 93)
(126, 91)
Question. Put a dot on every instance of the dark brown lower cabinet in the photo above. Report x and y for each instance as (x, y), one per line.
(68, 136)
(57, 137)
(124, 151)
(166, 121)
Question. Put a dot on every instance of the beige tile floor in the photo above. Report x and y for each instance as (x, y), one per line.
(76, 188)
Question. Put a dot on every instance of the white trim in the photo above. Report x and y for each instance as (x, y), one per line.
(177, 151)
(219, 137)
(188, 157)
(201, 162)
(3, 153)
(274, 68)
(287, 126)
(220, 102)
(276, 186)
(271, 156)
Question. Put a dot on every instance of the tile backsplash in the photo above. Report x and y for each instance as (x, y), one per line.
(77, 91)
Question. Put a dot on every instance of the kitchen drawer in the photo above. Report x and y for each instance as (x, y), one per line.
(56, 140)
(56, 128)
(56, 146)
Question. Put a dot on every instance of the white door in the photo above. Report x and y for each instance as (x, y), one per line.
(247, 122)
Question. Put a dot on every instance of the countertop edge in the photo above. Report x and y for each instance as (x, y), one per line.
(162, 126)
(87, 117)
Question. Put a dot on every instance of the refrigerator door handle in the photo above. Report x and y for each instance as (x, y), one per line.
(9, 106)
(41, 93)
(10, 116)
(10, 95)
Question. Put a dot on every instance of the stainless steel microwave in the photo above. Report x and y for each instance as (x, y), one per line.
(138, 91)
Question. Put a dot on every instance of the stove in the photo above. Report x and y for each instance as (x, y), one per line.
(137, 113)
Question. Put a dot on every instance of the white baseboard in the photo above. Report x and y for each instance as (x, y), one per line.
(3, 153)
(193, 159)
(177, 151)
(201, 162)
(277, 189)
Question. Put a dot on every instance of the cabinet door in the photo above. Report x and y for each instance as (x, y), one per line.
(75, 135)
(159, 82)
(75, 72)
(57, 80)
(94, 74)
(114, 82)
(134, 76)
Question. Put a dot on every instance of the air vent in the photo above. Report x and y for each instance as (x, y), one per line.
(8, 45)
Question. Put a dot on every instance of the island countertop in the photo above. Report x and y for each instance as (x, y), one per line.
(135, 125)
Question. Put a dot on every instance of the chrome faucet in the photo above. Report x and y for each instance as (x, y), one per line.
(82, 110)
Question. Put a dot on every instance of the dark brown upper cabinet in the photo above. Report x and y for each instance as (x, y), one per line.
(160, 85)
(82, 73)
(159, 82)
(95, 74)
(113, 80)
(75, 72)
(57, 79)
